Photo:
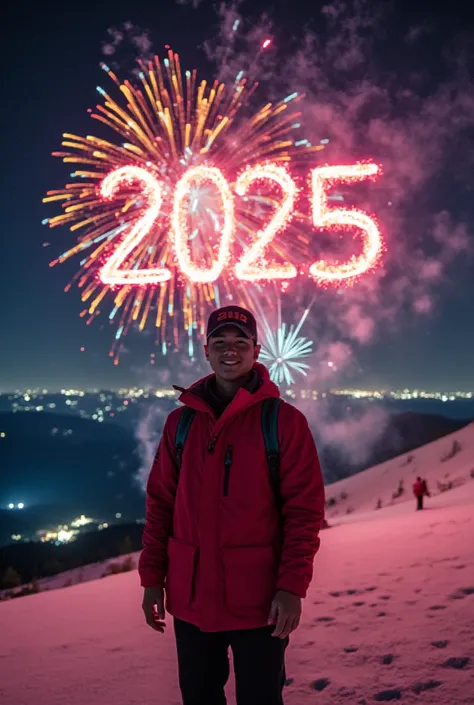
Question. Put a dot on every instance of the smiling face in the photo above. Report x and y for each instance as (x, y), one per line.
(230, 353)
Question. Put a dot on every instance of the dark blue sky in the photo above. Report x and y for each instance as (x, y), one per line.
(52, 58)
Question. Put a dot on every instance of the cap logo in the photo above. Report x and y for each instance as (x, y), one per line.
(232, 315)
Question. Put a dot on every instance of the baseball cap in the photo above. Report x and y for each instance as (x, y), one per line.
(232, 316)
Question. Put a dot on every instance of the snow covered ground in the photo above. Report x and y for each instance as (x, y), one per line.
(389, 615)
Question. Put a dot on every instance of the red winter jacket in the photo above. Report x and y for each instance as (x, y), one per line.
(215, 546)
(420, 488)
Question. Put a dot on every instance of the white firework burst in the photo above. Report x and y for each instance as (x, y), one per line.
(284, 351)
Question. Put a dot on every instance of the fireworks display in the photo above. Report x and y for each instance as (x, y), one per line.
(284, 351)
(152, 210)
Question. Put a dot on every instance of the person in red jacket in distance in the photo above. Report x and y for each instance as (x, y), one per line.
(420, 490)
(233, 566)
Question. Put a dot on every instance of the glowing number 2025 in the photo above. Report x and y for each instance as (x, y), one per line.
(250, 266)
(111, 272)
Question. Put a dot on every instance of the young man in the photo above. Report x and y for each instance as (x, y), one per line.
(234, 561)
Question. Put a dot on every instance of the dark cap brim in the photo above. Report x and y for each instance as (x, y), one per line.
(233, 324)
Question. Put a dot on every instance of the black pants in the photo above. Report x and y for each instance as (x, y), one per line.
(419, 502)
(259, 665)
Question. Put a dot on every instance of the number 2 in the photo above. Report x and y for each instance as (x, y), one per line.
(111, 272)
(248, 267)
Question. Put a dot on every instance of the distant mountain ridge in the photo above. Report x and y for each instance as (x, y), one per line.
(65, 465)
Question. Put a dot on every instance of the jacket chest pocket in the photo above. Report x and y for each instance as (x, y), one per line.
(244, 473)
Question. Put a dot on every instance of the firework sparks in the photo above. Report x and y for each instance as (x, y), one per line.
(285, 351)
(171, 132)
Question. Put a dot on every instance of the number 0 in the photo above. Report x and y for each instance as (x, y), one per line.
(179, 218)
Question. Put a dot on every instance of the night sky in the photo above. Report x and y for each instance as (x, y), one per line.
(52, 56)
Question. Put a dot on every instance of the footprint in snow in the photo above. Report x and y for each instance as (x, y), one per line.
(440, 644)
(435, 608)
(324, 619)
(461, 593)
(382, 614)
(386, 659)
(385, 597)
(320, 684)
(358, 604)
(458, 663)
(419, 688)
(350, 649)
(387, 695)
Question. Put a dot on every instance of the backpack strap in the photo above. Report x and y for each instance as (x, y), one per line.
(182, 430)
(270, 408)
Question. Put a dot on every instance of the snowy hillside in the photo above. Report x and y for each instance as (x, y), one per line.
(389, 616)
(446, 464)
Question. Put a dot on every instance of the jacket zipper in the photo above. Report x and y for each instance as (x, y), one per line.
(227, 466)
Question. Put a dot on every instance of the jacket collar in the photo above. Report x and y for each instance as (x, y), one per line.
(243, 400)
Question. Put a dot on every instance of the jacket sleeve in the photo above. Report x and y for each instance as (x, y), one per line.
(160, 497)
(302, 494)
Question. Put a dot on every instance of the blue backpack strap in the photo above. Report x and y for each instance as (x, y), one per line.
(182, 430)
(270, 408)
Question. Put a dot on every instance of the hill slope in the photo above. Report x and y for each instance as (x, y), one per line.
(447, 460)
(386, 618)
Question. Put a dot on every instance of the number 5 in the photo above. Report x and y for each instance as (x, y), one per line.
(325, 217)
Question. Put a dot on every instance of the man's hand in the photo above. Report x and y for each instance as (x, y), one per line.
(286, 612)
(154, 608)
